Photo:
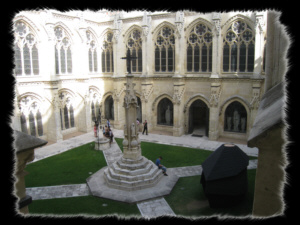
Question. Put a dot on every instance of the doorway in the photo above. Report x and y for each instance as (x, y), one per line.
(198, 119)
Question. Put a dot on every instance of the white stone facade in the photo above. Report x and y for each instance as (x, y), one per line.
(60, 96)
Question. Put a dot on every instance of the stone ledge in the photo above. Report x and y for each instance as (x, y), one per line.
(99, 188)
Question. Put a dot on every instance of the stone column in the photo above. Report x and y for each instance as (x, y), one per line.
(54, 123)
(216, 47)
(259, 44)
(24, 145)
(213, 133)
(179, 44)
(178, 120)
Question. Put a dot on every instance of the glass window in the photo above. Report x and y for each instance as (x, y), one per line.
(199, 50)
(165, 50)
(134, 44)
(107, 54)
(238, 48)
(26, 51)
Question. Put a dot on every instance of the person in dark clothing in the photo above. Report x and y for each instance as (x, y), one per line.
(145, 127)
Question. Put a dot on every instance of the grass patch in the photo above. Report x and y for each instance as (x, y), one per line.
(88, 205)
(70, 167)
(173, 156)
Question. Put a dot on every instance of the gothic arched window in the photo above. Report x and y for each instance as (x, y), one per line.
(31, 116)
(107, 54)
(66, 111)
(165, 50)
(238, 48)
(26, 51)
(93, 57)
(165, 112)
(63, 52)
(235, 118)
(134, 44)
(199, 50)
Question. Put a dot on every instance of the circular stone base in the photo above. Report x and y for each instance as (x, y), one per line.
(102, 144)
(99, 188)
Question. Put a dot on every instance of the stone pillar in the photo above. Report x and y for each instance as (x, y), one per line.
(216, 47)
(54, 123)
(179, 45)
(213, 133)
(145, 46)
(178, 121)
(24, 145)
(259, 43)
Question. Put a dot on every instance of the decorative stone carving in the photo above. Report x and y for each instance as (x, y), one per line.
(146, 25)
(178, 93)
(118, 25)
(179, 22)
(147, 90)
(217, 22)
(215, 94)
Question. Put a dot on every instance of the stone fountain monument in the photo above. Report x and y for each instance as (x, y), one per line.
(133, 177)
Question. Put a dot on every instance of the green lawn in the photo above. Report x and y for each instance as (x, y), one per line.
(70, 167)
(76, 165)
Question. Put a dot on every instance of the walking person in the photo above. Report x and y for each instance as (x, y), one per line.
(108, 123)
(145, 127)
(111, 136)
(160, 166)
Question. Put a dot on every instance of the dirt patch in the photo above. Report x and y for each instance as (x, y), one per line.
(194, 205)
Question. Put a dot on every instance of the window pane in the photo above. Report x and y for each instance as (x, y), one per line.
(62, 60)
(61, 119)
(189, 58)
(170, 59)
(226, 58)
(242, 66)
(234, 58)
(204, 59)
(39, 123)
(72, 116)
(107, 61)
(69, 55)
(66, 117)
(163, 59)
(196, 58)
(210, 59)
(140, 60)
(103, 62)
(32, 124)
(56, 62)
(18, 61)
(95, 61)
(35, 60)
(133, 62)
(23, 124)
(112, 62)
(90, 61)
(27, 63)
(157, 59)
(250, 66)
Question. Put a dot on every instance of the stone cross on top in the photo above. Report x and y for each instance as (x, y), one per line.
(128, 59)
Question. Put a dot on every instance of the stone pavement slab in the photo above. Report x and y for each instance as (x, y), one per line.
(155, 208)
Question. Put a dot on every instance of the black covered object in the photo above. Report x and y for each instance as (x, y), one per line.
(224, 177)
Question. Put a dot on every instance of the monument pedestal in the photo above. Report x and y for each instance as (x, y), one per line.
(132, 177)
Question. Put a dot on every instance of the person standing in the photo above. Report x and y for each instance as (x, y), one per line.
(108, 123)
(145, 127)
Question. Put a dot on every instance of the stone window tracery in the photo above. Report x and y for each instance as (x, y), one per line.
(238, 48)
(107, 54)
(93, 57)
(26, 51)
(165, 50)
(63, 52)
(134, 44)
(165, 112)
(31, 116)
(199, 49)
(66, 110)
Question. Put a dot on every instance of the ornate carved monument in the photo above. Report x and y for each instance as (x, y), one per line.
(126, 178)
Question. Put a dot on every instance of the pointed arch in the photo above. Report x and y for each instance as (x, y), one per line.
(156, 31)
(129, 30)
(160, 97)
(246, 19)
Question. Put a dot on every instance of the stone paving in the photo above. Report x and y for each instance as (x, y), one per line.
(149, 208)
